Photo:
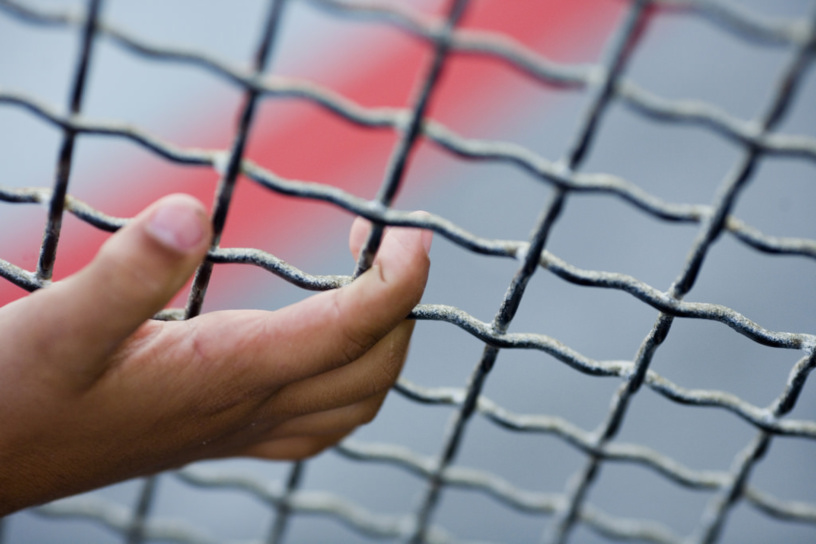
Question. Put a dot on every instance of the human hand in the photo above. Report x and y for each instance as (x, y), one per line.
(94, 392)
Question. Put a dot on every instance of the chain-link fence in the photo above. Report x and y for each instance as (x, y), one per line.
(575, 188)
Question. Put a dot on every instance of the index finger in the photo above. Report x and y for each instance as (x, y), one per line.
(326, 330)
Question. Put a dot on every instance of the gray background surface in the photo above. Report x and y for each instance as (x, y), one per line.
(680, 57)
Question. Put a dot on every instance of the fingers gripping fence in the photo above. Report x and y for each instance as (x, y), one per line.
(561, 512)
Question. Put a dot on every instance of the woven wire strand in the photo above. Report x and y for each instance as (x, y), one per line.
(608, 83)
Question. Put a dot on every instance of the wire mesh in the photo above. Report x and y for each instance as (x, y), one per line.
(561, 512)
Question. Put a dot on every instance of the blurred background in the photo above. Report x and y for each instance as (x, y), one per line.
(682, 54)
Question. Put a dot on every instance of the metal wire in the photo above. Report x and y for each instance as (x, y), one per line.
(48, 251)
(709, 231)
(399, 159)
(607, 83)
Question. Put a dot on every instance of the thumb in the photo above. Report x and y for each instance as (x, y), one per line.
(83, 319)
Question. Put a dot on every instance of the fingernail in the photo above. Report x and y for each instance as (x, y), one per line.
(426, 235)
(427, 238)
(178, 224)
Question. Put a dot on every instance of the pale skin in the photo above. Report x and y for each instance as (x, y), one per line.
(92, 391)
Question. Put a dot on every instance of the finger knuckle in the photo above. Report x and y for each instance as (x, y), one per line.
(356, 338)
(388, 368)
